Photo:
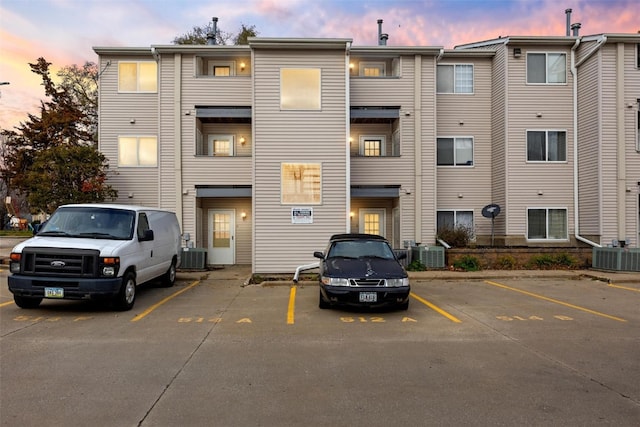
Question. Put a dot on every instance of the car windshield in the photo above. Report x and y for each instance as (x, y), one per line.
(361, 249)
(90, 222)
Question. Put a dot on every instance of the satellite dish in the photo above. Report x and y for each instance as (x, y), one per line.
(491, 211)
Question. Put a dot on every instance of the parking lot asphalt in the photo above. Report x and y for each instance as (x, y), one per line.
(505, 349)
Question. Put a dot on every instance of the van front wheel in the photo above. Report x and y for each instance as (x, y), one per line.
(127, 295)
(168, 279)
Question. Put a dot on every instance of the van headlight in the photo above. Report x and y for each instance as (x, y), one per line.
(335, 281)
(109, 266)
(397, 283)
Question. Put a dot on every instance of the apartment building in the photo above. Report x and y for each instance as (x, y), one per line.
(265, 150)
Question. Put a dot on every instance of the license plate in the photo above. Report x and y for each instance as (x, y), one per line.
(53, 293)
(368, 297)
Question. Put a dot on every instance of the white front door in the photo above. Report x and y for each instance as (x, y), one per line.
(222, 239)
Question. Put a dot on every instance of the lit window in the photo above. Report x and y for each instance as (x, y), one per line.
(222, 69)
(547, 68)
(373, 69)
(220, 145)
(372, 221)
(138, 76)
(546, 146)
(137, 151)
(455, 151)
(456, 78)
(300, 89)
(301, 183)
(372, 146)
(546, 224)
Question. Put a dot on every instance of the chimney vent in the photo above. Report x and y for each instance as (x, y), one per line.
(568, 13)
(576, 29)
(382, 38)
(211, 35)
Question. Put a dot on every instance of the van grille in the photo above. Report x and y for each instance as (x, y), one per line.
(60, 262)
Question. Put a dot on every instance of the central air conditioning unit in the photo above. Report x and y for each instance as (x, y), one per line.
(193, 259)
(616, 259)
(429, 256)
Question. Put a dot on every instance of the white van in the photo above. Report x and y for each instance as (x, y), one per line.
(96, 251)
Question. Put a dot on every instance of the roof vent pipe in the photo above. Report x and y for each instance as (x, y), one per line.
(211, 35)
(382, 38)
(576, 29)
(568, 13)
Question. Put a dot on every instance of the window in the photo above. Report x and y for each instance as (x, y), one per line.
(454, 219)
(220, 145)
(301, 183)
(547, 68)
(300, 88)
(137, 151)
(138, 76)
(372, 146)
(372, 221)
(456, 78)
(222, 69)
(546, 146)
(547, 224)
(373, 69)
(638, 128)
(455, 151)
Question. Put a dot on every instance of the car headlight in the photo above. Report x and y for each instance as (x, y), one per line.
(335, 281)
(396, 283)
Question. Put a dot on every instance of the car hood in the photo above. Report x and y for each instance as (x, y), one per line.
(363, 268)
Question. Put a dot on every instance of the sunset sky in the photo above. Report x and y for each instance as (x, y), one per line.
(64, 31)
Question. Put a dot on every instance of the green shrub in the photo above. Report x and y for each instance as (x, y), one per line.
(467, 263)
(566, 260)
(549, 261)
(506, 262)
(416, 265)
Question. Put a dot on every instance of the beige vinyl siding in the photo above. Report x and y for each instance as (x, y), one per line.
(468, 115)
(167, 138)
(428, 174)
(608, 141)
(243, 226)
(210, 91)
(499, 117)
(297, 137)
(116, 111)
(526, 180)
(632, 156)
(589, 89)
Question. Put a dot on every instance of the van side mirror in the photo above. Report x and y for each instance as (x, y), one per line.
(148, 235)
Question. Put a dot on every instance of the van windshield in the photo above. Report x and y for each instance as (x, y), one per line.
(90, 222)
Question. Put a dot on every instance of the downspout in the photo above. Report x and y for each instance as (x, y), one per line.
(574, 73)
(417, 153)
(621, 175)
(177, 133)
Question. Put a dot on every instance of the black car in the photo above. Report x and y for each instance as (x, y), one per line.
(362, 270)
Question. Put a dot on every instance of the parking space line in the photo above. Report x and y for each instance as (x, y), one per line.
(156, 305)
(436, 308)
(6, 303)
(292, 306)
(623, 287)
(555, 301)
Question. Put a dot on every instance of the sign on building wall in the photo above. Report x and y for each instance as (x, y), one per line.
(301, 215)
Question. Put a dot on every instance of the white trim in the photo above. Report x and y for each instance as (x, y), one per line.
(547, 209)
(546, 140)
(546, 69)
